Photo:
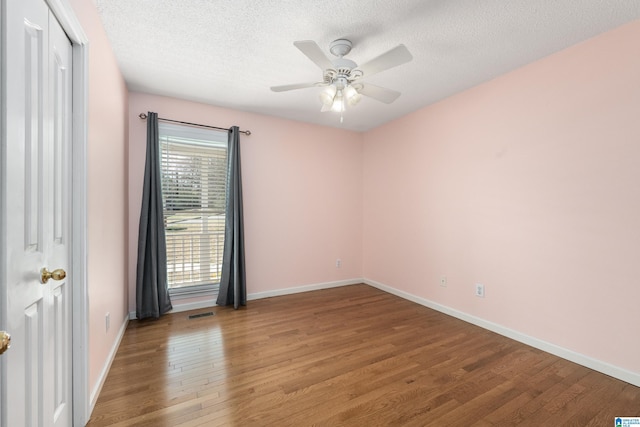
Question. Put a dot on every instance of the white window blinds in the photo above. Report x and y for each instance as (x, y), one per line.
(193, 163)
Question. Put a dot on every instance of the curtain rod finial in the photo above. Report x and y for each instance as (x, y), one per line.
(142, 116)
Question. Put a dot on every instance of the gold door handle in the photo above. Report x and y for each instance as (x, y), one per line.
(57, 274)
(5, 341)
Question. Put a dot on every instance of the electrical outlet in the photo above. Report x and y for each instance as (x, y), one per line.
(107, 321)
(479, 290)
(443, 281)
(338, 263)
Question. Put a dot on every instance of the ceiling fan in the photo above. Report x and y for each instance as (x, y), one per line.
(342, 77)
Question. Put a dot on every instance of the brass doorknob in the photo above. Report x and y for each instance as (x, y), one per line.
(5, 341)
(57, 274)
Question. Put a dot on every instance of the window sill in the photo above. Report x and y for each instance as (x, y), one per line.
(194, 291)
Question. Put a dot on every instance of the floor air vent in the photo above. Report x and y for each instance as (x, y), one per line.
(196, 316)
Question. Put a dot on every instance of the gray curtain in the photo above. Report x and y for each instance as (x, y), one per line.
(233, 290)
(152, 292)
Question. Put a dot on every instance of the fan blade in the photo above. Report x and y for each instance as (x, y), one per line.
(293, 86)
(392, 58)
(379, 93)
(314, 53)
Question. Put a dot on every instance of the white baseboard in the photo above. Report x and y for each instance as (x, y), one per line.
(305, 288)
(107, 366)
(591, 363)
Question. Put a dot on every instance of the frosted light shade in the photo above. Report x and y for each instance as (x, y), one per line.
(327, 95)
(352, 95)
(338, 103)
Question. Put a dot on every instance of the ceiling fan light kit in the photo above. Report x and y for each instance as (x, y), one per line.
(337, 95)
(341, 77)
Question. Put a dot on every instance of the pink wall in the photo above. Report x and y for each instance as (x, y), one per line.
(527, 184)
(107, 191)
(302, 189)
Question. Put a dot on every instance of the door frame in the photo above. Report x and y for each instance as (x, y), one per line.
(65, 15)
(80, 296)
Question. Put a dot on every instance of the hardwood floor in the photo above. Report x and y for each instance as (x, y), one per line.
(346, 356)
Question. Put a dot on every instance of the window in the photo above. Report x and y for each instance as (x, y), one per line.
(193, 164)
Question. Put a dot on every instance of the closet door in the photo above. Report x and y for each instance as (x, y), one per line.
(34, 290)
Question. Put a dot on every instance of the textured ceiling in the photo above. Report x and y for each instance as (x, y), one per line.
(229, 53)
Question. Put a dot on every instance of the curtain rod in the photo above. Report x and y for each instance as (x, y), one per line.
(143, 116)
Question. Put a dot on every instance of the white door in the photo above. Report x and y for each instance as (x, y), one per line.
(36, 377)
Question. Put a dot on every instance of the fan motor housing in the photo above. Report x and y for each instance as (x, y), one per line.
(343, 64)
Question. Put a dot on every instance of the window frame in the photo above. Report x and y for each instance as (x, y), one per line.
(194, 135)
